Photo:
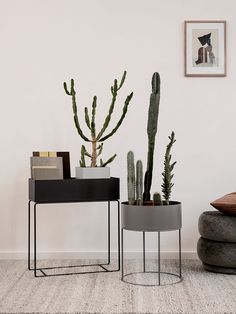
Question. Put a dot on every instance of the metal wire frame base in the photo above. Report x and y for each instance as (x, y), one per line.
(41, 271)
(151, 272)
(159, 272)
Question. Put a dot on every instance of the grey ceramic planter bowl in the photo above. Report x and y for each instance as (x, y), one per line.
(151, 218)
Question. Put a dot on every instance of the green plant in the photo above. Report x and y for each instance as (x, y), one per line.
(153, 113)
(90, 121)
(168, 168)
(134, 182)
(139, 182)
(131, 178)
(157, 199)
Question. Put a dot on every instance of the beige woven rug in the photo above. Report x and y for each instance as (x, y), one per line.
(200, 291)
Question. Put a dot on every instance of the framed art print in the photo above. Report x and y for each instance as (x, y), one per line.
(205, 48)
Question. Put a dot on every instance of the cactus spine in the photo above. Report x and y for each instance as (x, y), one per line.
(151, 130)
(168, 168)
(157, 199)
(139, 182)
(131, 178)
(91, 122)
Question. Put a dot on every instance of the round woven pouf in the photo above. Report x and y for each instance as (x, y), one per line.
(217, 246)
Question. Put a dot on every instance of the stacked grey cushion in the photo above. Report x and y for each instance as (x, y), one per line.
(217, 246)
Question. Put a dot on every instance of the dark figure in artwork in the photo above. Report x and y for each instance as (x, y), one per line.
(205, 54)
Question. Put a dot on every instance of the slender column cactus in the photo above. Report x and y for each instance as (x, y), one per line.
(168, 168)
(131, 178)
(139, 182)
(157, 199)
(91, 123)
(152, 130)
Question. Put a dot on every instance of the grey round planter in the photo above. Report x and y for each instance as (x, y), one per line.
(151, 218)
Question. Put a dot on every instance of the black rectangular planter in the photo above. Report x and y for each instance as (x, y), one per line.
(74, 190)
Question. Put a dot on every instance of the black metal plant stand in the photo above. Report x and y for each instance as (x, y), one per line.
(158, 272)
(71, 191)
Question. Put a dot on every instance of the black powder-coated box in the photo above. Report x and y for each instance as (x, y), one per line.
(74, 190)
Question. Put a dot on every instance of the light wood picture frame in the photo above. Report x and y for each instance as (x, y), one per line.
(205, 48)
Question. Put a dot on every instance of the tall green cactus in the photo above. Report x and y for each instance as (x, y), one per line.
(91, 123)
(131, 178)
(168, 168)
(152, 130)
(139, 182)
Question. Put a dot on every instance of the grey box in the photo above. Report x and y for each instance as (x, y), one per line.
(46, 168)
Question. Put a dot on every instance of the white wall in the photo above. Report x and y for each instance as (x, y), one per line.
(44, 43)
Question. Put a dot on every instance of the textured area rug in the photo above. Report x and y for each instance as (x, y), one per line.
(200, 291)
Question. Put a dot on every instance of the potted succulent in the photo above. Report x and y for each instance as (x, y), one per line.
(140, 213)
(96, 139)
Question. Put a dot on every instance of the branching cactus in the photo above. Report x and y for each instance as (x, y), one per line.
(96, 137)
(152, 130)
(139, 182)
(157, 199)
(131, 178)
(168, 168)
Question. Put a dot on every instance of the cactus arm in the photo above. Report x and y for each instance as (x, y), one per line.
(82, 160)
(93, 127)
(152, 130)
(172, 166)
(108, 118)
(86, 153)
(104, 164)
(131, 178)
(125, 108)
(93, 134)
(74, 107)
(99, 148)
(86, 117)
(167, 175)
(139, 182)
(114, 90)
(79, 129)
(66, 89)
(122, 80)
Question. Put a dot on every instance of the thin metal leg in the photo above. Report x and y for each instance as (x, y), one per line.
(159, 259)
(122, 254)
(29, 203)
(118, 235)
(35, 231)
(180, 261)
(109, 234)
(144, 251)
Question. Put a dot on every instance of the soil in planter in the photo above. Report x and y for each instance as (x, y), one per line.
(148, 203)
